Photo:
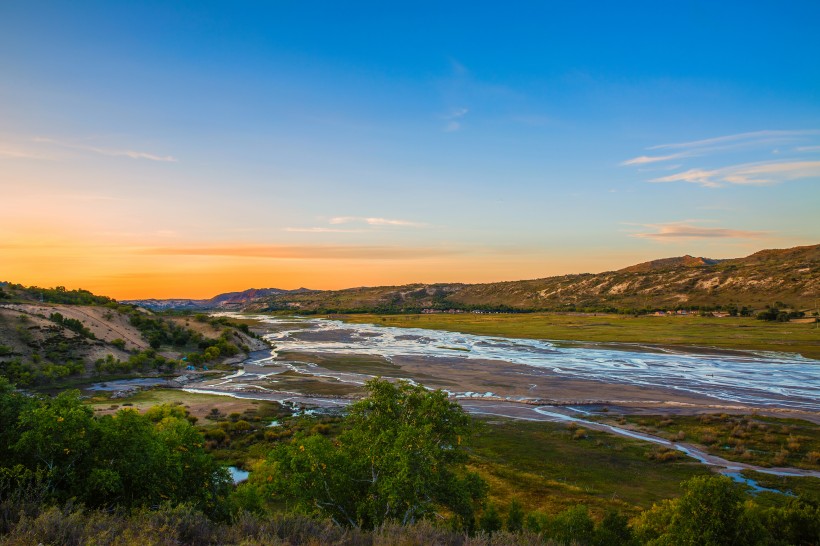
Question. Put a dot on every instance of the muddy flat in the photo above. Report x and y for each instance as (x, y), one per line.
(326, 362)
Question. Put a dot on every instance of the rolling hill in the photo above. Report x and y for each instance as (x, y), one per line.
(787, 277)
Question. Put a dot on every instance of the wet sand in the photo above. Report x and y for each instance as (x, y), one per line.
(619, 376)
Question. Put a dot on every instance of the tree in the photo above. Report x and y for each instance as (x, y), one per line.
(707, 514)
(400, 458)
(515, 517)
(490, 521)
(56, 435)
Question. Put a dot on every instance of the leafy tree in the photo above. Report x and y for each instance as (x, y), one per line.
(57, 435)
(613, 529)
(400, 458)
(708, 513)
(490, 521)
(12, 405)
(573, 525)
(515, 517)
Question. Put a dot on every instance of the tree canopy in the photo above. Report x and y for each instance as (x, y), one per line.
(122, 460)
(399, 458)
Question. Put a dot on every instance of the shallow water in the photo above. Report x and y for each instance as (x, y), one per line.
(123, 384)
(238, 475)
(762, 379)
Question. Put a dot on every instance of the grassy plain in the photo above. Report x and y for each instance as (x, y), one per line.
(199, 405)
(678, 331)
(550, 467)
(806, 488)
(755, 439)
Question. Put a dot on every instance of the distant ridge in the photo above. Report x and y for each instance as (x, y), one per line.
(669, 263)
(777, 276)
(229, 300)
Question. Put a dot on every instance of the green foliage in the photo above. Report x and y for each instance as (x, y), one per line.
(572, 525)
(776, 314)
(123, 460)
(142, 361)
(713, 511)
(490, 521)
(515, 517)
(72, 324)
(614, 529)
(59, 294)
(399, 458)
(161, 332)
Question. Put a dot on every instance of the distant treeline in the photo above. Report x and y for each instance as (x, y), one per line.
(776, 310)
(57, 294)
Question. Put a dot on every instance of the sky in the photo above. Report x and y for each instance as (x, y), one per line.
(184, 149)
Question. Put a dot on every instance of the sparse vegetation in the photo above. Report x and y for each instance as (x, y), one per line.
(760, 440)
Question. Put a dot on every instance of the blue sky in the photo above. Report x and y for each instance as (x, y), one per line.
(186, 148)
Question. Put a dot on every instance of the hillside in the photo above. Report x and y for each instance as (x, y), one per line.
(227, 301)
(788, 276)
(47, 335)
(791, 276)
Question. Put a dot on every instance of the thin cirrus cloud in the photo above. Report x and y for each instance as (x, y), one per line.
(372, 221)
(750, 174)
(133, 154)
(738, 139)
(19, 154)
(759, 173)
(321, 230)
(645, 159)
(677, 231)
(317, 252)
(454, 120)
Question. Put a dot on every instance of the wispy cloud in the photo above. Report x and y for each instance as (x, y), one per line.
(645, 159)
(754, 136)
(317, 252)
(321, 230)
(755, 174)
(454, 119)
(133, 154)
(675, 231)
(19, 154)
(371, 221)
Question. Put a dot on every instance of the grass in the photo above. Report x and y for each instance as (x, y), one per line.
(547, 467)
(806, 488)
(550, 467)
(199, 405)
(724, 333)
(759, 440)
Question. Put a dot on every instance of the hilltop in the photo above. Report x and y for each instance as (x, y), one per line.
(782, 277)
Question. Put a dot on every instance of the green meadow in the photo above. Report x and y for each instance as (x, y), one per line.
(738, 333)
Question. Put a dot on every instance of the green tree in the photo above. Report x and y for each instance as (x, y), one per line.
(400, 458)
(573, 525)
(57, 435)
(613, 529)
(515, 517)
(707, 514)
(490, 520)
(12, 405)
